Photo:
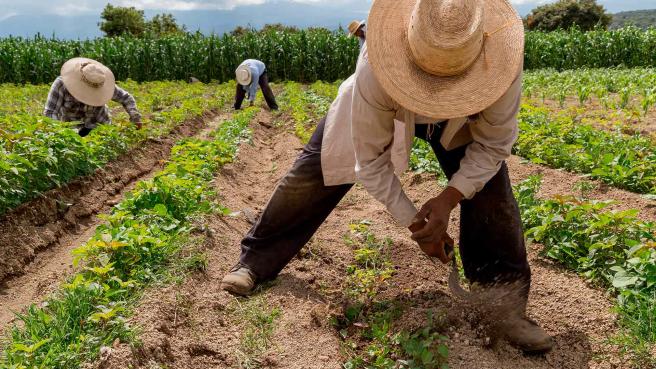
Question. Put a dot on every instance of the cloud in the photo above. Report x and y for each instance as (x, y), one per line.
(528, 2)
(199, 4)
(4, 17)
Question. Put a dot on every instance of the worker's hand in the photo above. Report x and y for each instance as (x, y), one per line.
(436, 250)
(433, 219)
(138, 124)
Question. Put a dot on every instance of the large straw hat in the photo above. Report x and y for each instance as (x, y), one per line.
(445, 58)
(88, 81)
(354, 26)
(243, 74)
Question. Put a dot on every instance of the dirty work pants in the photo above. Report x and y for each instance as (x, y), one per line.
(240, 94)
(491, 237)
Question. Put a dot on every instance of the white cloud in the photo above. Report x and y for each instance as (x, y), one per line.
(4, 17)
(525, 2)
(203, 4)
(196, 4)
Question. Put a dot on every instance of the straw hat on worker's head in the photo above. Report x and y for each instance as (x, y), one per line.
(354, 26)
(244, 76)
(445, 58)
(88, 81)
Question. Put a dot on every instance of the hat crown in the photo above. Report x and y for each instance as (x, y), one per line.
(243, 74)
(446, 36)
(93, 75)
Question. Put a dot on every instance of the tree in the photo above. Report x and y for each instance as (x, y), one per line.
(565, 14)
(164, 24)
(118, 20)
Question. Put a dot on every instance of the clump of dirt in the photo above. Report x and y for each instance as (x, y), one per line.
(59, 213)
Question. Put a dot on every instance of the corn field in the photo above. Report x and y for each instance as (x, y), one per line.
(299, 56)
(302, 56)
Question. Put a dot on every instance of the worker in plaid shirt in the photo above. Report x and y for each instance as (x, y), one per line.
(82, 92)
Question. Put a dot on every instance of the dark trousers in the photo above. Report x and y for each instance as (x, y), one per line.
(266, 91)
(491, 237)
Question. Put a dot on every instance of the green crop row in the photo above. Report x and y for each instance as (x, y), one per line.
(38, 154)
(303, 56)
(627, 162)
(305, 107)
(613, 88)
(613, 248)
(130, 251)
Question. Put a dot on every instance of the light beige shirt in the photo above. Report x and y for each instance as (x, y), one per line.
(368, 138)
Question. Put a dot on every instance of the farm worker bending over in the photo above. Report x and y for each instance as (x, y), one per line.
(450, 73)
(250, 74)
(358, 29)
(81, 93)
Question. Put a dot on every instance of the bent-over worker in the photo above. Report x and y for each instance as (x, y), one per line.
(358, 29)
(81, 93)
(448, 72)
(250, 74)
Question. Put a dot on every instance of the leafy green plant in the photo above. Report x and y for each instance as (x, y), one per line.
(612, 248)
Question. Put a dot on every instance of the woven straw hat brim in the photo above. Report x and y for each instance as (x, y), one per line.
(354, 27)
(83, 92)
(466, 94)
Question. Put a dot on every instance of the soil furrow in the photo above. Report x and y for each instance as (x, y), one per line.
(36, 239)
(195, 324)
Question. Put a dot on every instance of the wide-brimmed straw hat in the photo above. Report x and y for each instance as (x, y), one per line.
(88, 81)
(354, 26)
(244, 76)
(445, 58)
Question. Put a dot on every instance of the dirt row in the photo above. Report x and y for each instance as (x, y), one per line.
(196, 325)
(36, 239)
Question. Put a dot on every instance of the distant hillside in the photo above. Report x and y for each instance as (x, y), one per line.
(639, 18)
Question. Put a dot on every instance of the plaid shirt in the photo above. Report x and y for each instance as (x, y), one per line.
(62, 106)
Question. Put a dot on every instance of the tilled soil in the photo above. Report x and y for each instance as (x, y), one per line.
(36, 239)
(196, 325)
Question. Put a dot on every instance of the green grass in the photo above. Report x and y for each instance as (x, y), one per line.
(257, 322)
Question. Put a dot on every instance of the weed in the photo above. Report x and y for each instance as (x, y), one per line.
(367, 324)
(258, 324)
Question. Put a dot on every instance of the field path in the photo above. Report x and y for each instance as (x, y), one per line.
(44, 259)
(196, 325)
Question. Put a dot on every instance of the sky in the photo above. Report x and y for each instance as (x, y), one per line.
(74, 19)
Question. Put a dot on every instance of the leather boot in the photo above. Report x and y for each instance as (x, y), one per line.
(240, 281)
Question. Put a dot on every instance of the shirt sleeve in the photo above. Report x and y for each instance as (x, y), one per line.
(55, 100)
(372, 128)
(255, 80)
(494, 134)
(129, 103)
